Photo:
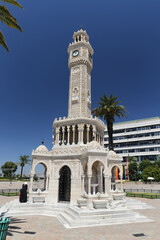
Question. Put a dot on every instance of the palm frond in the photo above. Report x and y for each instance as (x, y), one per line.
(8, 19)
(3, 42)
(13, 2)
(4, 11)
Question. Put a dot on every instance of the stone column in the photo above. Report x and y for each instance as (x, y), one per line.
(94, 132)
(121, 183)
(99, 183)
(89, 184)
(107, 187)
(73, 129)
(82, 184)
(47, 182)
(80, 134)
(102, 140)
(31, 182)
(57, 136)
(101, 179)
(68, 132)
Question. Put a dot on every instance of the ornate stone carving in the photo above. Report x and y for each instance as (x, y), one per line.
(113, 155)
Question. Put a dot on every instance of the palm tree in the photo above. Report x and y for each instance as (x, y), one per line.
(8, 19)
(108, 109)
(23, 160)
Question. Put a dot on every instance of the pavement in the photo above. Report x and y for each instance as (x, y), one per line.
(45, 227)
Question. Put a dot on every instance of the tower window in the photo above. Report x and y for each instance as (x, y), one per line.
(76, 39)
(79, 38)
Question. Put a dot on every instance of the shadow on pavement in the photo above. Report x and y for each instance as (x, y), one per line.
(14, 229)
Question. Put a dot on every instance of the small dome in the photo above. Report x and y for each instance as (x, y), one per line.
(112, 153)
(41, 149)
(93, 144)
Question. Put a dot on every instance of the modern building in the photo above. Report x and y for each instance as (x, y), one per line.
(139, 138)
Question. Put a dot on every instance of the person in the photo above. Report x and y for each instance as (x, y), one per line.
(23, 193)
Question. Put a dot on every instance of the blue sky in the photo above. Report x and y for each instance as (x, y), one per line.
(34, 76)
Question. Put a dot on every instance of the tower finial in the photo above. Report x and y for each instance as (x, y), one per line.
(81, 27)
(42, 141)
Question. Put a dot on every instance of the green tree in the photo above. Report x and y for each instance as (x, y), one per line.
(133, 169)
(109, 108)
(23, 160)
(151, 171)
(8, 169)
(144, 164)
(157, 162)
(7, 18)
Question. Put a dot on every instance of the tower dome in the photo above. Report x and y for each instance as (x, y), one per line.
(41, 148)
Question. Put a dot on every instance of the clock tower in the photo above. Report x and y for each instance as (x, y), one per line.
(80, 66)
(78, 160)
(79, 127)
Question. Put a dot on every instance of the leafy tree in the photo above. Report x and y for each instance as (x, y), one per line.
(8, 19)
(23, 160)
(156, 163)
(133, 169)
(144, 164)
(108, 109)
(8, 169)
(151, 171)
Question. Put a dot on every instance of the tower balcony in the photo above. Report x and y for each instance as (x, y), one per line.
(79, 130)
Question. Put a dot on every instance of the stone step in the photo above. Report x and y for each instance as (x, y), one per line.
(99, 215)
(94, 221)
(73, 216)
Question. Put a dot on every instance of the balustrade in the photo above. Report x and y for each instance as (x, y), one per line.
(77, 134)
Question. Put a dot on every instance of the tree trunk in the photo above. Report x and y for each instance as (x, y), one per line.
(21, 171)
(110, 134)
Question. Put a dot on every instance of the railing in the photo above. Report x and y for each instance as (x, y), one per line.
(142, 190)
(143, 195)
(15, 192)
(9, 192)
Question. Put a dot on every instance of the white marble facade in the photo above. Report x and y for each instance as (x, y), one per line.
(78, 164)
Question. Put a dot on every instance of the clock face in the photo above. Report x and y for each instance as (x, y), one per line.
(75, 53)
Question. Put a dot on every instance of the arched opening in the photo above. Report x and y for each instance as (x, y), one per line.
(40, 177)
(85, 134)
(64, 184)
(97, 181)
(60, 136)
(90, 133)
(71, 136)
(76, 134)
(114, 176)
(65, 135)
